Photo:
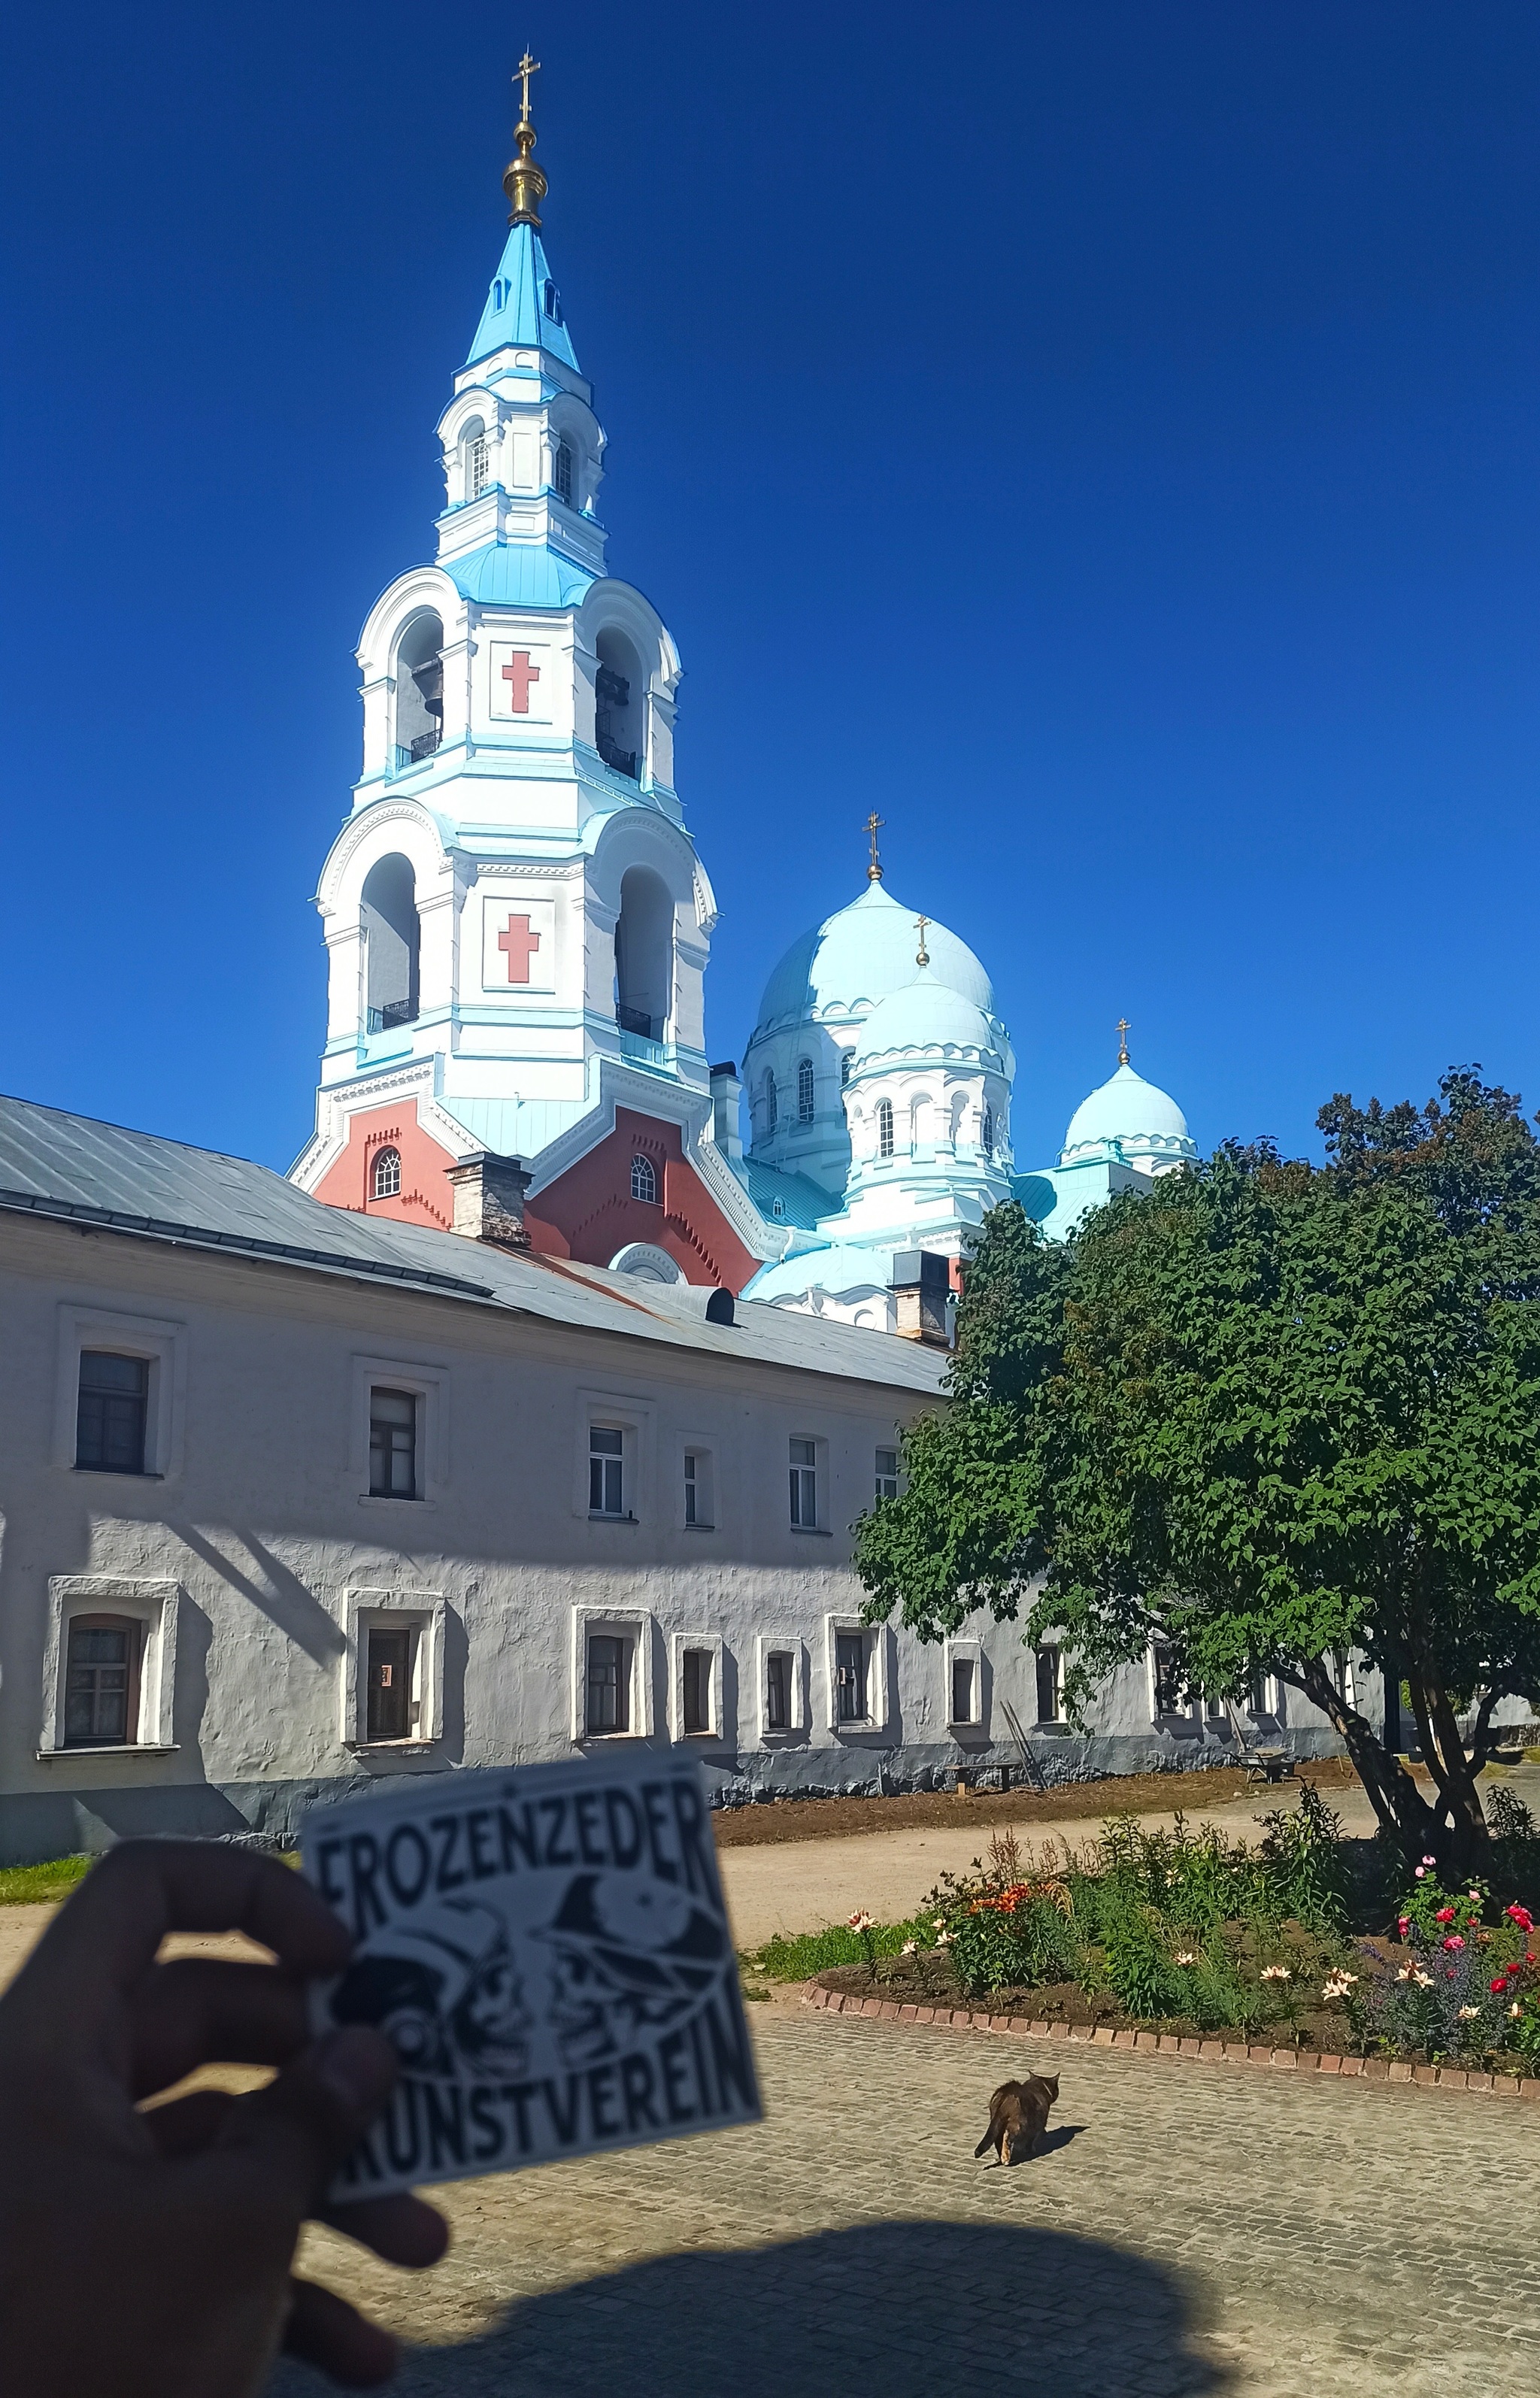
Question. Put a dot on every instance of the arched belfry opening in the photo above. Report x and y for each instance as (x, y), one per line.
(644, 955)
(620, 735)
(419, 689)
(392, 940)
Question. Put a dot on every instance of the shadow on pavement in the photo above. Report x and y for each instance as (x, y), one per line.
(903, 2309)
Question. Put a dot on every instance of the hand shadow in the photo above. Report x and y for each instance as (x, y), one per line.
(887, 2306)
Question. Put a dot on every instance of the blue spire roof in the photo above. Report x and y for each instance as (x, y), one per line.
(523, 305)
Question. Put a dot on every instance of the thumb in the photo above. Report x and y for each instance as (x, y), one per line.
(300, 2128)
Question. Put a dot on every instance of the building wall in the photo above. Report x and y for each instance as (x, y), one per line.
(256, 1548)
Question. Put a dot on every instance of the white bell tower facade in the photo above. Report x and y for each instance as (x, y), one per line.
(516, 921)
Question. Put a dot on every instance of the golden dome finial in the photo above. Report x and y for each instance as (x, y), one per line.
(874, 827)
(923, 954)
(524, 183)
(1124, 1028)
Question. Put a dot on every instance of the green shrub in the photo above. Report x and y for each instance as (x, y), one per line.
(817, 1952)
(1001, 1946)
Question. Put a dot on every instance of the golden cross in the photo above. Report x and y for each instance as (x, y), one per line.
(521, 74)
(924, 957)
(874, 825)
(1124, 1028)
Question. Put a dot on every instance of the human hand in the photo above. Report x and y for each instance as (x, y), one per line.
(146, 2255)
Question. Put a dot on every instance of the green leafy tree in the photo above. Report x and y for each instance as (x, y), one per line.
(1268, 1413)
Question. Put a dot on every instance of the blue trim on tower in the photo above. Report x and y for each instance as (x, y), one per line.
(517, 314)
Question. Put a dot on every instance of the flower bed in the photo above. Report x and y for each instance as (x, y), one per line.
(1206, 1941)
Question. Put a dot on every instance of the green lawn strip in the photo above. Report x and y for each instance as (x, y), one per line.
(42, 1885)
(815, 1952)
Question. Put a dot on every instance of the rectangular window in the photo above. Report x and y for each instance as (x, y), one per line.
(606, 1462)
(850, 1656)
(1050, 1687)
(805, 1485)
(388, 1711)
(609, 1683)
(778, 1690)
(111, 1412)
(887, 1473)
(964, 1672)
(1170, 1682)
(698, 1690)
(480, 473)
(392, 1445)
(691, 1493)
(100, 1695)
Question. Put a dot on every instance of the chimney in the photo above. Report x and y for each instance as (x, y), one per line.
(727, 1092)
(921, 1282)
(489, 1199)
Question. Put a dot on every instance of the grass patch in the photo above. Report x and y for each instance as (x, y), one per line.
(42, 1885)
(815, 1952)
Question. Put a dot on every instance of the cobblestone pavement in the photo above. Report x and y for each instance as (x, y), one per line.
(1187, 2233)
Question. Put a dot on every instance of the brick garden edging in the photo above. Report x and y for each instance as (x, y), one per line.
(1204, 2052)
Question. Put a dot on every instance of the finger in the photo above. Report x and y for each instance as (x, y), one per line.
(326, 2331)
(110, 1930)
(403, 2230)
(297, 2131)
(206, 2010)
(185, 2125)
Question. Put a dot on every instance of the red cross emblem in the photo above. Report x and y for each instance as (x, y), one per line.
(519, 675)
(519, 945)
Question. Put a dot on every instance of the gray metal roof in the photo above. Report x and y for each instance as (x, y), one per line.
(76, 1169)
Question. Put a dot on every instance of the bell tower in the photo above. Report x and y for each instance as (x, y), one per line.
(516, 921)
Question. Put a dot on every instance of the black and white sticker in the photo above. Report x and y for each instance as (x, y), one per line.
(548, 1951)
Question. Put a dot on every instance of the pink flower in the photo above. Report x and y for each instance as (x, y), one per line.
(1499, 1984)
(1453, 1941)
(1431, 1861)
(1521, 1916)
(859, 1921)
(1445, 1914)
(1421, 1870)
(1403, 1925)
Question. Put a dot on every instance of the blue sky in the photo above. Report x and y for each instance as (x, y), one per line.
(1104, 439)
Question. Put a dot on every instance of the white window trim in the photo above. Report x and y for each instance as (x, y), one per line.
(820, 1530)
(970, 1651)
(1171, 1715)
(878, 1678)
(783, 1644)
(630, 1624)
(1052, 1725)
(424, 1611)
(678, 1643)
(429, 1385)
(155, 1604)
(704, 1451)
(633, 1418)
(163, 1344)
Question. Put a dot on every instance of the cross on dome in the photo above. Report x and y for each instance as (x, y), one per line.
(523, 182)
(1124, 1028)
(874, 825)
(922, 957)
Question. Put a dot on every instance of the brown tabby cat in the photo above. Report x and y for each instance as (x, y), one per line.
(1019, 2117)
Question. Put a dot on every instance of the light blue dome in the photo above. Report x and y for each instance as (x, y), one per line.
(1146, 1124)
(858, 956)
(930, 1018)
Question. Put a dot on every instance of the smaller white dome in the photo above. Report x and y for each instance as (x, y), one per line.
(1144, 1122)
(931, 1020)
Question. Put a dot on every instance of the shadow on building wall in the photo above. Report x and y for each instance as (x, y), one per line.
(903, 2309)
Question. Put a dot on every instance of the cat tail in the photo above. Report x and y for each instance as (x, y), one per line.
(987, 2142)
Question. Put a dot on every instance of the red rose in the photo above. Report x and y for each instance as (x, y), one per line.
(1500, 1984)
(1445, 1914)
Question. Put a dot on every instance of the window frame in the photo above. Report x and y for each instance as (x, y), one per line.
(387, 1153)
(423, 1612)
(887, 1138)
(608, 1460)
(780, 1644)
(807, 1091)
(1159, 1685)
(644, 1173)
(818, 1466)
(635, 1625)
(683, 1644)
(704, 1453)
(153, 1603)
(879, 1676)
(879, 1478)
(964, 1650)
(133, 1626)
(1049, 1648)
(140, 1399)
(411, 1399)
(162, 1346)
(429, 1386)
(634, 1419)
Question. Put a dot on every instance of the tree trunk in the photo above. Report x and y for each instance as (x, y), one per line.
(1399, 1807)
